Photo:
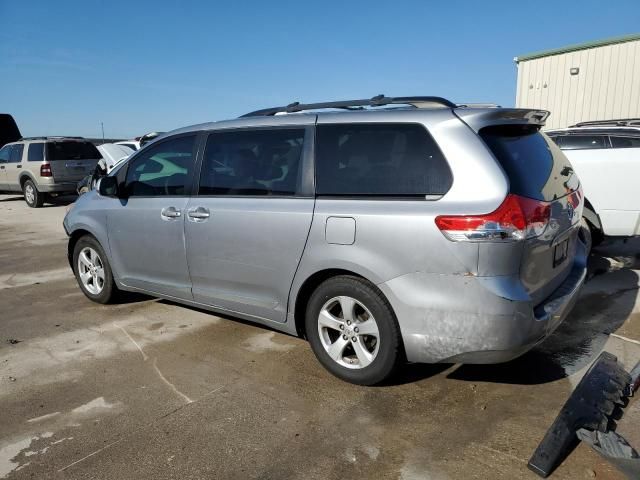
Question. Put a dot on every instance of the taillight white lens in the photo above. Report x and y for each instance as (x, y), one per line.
(515, 219)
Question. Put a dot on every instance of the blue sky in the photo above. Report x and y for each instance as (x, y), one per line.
(138, 66)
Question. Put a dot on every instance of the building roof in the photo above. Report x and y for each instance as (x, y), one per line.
(578, 46)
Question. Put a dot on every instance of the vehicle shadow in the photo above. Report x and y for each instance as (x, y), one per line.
(60, 201)
(11, 199)
(604, 305)
(224, 316)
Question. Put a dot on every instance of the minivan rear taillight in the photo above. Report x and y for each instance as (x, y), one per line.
(45, 170)
(516, 219)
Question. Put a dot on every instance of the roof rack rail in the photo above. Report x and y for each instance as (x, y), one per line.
(479, 105)
(377, 101)
(620, 122)
(52, 137)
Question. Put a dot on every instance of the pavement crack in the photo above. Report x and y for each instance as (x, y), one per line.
(142, 427)
(168, 383)
(94, 453)
(626, 339)
(144, 355)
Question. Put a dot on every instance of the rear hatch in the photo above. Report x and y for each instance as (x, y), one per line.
(538, 170)
(71, 160)
(8, 130)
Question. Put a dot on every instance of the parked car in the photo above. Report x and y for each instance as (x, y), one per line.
(396, 229)
(9, 131)
(39, 166)
(139, 142)
(132, 144)
(112, 154)
(606, 156)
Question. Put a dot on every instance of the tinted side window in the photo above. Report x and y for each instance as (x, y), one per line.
(379, 159)
(625, 142)
(16, 153)
(535, 166)
(35, 153)
(5, 153)
(583, 142)
(252, 162)
(162, 169)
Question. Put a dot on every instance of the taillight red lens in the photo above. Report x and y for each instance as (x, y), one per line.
(516, 218)
(45, 170)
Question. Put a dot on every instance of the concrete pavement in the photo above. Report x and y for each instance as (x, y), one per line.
(149, 389)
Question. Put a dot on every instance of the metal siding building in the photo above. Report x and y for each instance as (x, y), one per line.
(606, 84)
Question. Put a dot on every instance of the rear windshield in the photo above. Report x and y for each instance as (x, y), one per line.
(536, 167)
(71, 151)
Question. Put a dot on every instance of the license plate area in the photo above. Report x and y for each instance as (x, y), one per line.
(560, 252)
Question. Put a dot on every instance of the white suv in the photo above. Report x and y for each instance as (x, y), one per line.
(606, 156)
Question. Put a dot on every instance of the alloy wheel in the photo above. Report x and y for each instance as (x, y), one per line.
(348, 332)
(29, 194)
(91, 270)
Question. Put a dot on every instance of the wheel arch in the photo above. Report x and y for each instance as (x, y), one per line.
(24, 176)
(589, 213)
(309, 286)
(73, 240)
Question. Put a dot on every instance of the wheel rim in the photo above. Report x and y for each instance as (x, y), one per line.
(29, 193)
(91, 270)
(348, 332)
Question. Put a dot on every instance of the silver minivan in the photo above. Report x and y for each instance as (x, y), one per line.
(383, 230)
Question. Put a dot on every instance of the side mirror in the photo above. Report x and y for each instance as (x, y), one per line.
(108, 186)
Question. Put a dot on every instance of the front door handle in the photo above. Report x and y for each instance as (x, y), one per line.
(1, 167)
(199, 214)
(170, 212)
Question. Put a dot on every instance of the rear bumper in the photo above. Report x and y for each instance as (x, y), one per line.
(468, 319)
(61, 187)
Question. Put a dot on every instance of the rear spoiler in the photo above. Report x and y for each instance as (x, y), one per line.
(478, 118)
(588, 414)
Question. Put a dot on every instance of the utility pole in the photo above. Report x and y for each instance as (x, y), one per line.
(102, 126)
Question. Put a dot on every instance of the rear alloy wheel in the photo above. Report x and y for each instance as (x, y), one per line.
(92, 271)
(32, 196)
(348, 332)
(353, 331)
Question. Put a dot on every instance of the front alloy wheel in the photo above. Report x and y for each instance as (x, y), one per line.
(91, 270)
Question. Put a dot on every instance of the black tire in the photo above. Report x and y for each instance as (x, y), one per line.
(32, 196)
(585, 235)
(109, 292)
(597, 237)
(389, 354)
